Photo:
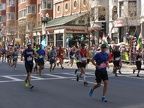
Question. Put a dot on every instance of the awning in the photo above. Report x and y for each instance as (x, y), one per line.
(63, 20)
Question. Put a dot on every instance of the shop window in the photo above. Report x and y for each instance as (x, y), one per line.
(59, 39)
(50, 39)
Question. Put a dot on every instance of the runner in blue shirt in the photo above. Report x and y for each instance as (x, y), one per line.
(100, 60)
(41, 55)
(15, 58)
(28, 54)
(53, 55)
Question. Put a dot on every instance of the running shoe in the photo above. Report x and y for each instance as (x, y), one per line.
(31, 86)
(26, 83)
(91, 92)
(85, 83)
(62, 67)
(138, 75)
(104, 99)
(77, 78)
(133, 71)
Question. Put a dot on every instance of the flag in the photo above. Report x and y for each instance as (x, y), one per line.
(104, 39)
(43, 43)
(137, 35)
(139, 41)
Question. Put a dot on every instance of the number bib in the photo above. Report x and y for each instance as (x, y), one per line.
(83, 59)
(139, 59)
(117, 58)
(15, 57)
(103, 65)
(29, 58)
(40, 56)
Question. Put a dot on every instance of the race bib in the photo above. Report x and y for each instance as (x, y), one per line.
(117, 58)
(84, 60)
(15, 57)
(40, 56)
(139, 59)
(29, 58)
(103, 65)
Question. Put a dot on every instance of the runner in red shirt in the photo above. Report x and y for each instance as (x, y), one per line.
(60, 55)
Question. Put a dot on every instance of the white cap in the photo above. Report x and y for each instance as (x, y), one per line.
(29, 43)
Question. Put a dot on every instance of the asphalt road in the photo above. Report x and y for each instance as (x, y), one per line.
(61, 90)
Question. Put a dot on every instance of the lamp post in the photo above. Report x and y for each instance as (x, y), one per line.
(44, 21)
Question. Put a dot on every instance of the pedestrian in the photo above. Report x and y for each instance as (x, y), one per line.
(28, 55)
(138, 62)
(100, 60)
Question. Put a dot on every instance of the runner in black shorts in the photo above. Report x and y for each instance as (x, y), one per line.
(29, 54)
(116, 60)
(101, 73)
(41, 55)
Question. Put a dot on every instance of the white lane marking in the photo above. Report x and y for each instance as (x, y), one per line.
(52, 75)
(87, 82)
(35, 77)
(38, 79)
(12, 78)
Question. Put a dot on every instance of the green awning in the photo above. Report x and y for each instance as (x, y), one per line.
(63, 20)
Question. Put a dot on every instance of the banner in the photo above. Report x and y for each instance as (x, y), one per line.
(17, 42)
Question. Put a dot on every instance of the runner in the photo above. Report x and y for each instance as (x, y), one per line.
(29, 54)
(15, 58)
(60, 56)
(71, 56)
(116, 60)
(4, 54)
(138, 62)
(40, 61)
(53, 55)
(10, 55)
(101, 72)
(78, 63)
(36, 59)
(83, 54)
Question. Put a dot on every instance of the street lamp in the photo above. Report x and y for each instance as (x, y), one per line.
(44, 21)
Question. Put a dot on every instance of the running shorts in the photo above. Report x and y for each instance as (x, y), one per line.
(29, 67)
(100, 75)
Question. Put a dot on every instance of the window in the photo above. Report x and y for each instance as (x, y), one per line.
(46, 4)
(59, 39)
(2, 6)
(50, 39)
(11, 3)
(39, 8)
(66, 6)
(20, 1)
(58, 8)
(75, 4)
(22, 13)
(11, 15)
(132, 8)
(2, 19)
(84, 2)
(121, 9)
(114, 13)
(101, 13)
(31, 9)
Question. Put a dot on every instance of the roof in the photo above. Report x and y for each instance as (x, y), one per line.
(63, 20)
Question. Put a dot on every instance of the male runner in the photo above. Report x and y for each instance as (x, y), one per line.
(28, 54)
(101, 73)
(53, 55)
(40, 61)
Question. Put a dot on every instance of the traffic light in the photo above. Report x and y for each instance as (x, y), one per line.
(104, 27)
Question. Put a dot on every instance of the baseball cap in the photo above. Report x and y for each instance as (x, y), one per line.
(103, 46)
